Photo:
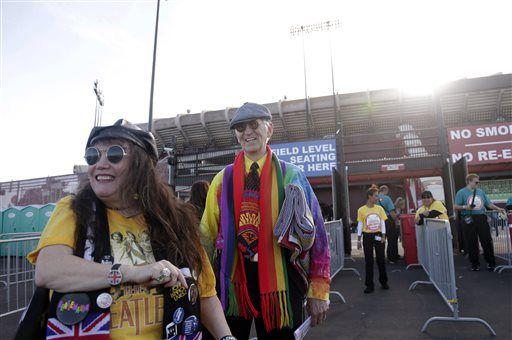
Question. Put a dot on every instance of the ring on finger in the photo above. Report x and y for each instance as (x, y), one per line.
(164, 273)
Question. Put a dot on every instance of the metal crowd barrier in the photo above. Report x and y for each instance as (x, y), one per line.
(5, 236)
(436, 258)
(16, 274)
(500, 233)
(421, 249)
(334, 231)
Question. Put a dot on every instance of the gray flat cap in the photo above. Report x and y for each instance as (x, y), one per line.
(248, 112)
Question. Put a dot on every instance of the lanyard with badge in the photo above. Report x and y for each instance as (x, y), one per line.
(468, 219)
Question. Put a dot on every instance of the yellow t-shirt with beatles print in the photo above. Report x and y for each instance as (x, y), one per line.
(136, 311)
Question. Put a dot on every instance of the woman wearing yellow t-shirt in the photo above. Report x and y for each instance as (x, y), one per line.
(123, 257)
(371, 228)
(431, 208)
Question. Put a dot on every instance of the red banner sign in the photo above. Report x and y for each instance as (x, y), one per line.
(481, 144)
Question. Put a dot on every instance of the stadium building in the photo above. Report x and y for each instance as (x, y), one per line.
(383, 136)
(408, 142)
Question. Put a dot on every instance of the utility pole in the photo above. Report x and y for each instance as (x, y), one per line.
(150, 120)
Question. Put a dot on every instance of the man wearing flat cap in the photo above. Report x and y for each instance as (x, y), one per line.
(259, 276)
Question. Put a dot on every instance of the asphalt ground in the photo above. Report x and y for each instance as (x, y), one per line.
(399, 313)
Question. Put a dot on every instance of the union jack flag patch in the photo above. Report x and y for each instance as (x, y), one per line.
(95, 326)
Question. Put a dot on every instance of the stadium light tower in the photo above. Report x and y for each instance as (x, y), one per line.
(329, 25)
(295, 31)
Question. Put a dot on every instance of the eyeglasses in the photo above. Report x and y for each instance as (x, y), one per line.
(253, 124)
(115, 154)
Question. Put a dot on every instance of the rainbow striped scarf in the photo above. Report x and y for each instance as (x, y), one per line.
(276, 309)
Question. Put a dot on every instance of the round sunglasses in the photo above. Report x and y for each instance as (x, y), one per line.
(253, 124)
(115, 154)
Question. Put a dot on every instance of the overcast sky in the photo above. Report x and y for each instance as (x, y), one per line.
(215, 54)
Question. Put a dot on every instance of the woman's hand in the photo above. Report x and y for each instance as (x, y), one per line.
(212, 317)
(154, 274)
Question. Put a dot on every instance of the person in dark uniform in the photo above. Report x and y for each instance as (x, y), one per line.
(472, 201)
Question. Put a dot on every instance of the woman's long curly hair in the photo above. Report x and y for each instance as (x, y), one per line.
(172, 225)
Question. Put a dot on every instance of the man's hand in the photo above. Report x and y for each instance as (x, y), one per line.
(317, 309)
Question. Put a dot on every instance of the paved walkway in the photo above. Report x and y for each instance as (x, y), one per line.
(400, 314)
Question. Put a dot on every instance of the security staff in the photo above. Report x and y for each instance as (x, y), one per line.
(472, 202)
(431, 208)
(371, 228)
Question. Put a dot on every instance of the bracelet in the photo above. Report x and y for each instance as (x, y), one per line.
(228, 337)
(115, 277)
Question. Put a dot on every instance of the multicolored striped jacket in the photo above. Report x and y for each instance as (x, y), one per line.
(319, 254)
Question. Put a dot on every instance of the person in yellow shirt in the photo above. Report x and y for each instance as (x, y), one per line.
(431, 208)
(371, 228)
(122, 257)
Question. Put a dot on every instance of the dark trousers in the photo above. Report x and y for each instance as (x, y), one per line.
(460, 234)
(479, 229)
(369, 243)
(392, 238)
(241, 327)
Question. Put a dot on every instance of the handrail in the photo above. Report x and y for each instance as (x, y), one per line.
(20, 239)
